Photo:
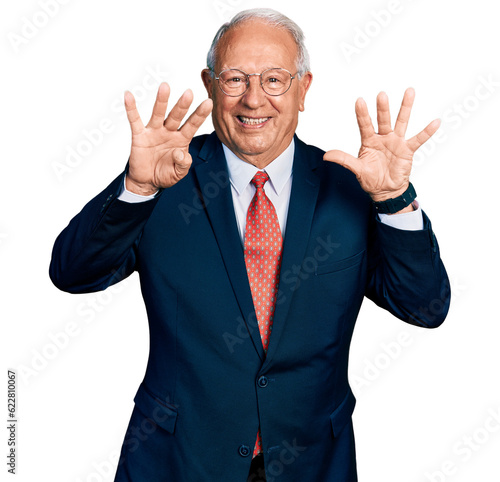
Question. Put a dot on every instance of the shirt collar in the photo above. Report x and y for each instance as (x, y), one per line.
(279, 170)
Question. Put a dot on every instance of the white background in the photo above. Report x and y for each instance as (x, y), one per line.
(421, 394)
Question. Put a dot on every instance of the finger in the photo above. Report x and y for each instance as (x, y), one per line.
(182, 160)
(160, 107)
(182, 163)
(196, 119)
(133, 116)
(174, 119)
(346, 160)
(383, 114)
(416, 141)
(404, 113)
(364, 120)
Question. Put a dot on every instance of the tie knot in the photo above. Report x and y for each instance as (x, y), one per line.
(260, 179)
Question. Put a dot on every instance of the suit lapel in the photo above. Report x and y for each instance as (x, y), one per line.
(305, 187)
(220, 211)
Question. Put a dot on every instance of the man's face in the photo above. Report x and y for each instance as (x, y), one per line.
(257, 126)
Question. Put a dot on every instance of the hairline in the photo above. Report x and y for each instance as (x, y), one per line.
(271, 17)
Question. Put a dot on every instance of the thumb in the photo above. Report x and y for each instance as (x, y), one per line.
(178, 156)
(345, 160)
(181, 160)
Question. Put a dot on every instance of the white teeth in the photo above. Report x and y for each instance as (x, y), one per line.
(252, 122)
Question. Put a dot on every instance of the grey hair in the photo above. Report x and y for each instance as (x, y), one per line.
(273, 18)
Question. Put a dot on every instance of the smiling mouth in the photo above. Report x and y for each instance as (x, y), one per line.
(252, 121)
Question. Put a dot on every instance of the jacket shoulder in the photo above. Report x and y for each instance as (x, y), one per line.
(329, 172)
(197, 143)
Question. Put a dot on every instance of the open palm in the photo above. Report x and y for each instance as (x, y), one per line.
(159, 155)
(384, 161)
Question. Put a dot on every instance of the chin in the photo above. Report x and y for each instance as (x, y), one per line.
(252, 150)
(254, 145)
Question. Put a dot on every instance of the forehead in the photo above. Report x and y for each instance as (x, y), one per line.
(254, 45)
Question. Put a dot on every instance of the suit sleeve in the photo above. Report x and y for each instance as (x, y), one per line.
(406, 275)
(98, 247)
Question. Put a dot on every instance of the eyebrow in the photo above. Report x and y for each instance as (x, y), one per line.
(263, 70)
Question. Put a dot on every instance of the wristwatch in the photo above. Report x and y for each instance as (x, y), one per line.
(392, 206)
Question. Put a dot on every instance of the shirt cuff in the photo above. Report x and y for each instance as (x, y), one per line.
(131, 197)
(412, 221)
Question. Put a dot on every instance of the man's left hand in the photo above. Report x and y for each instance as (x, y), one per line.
(384, 161)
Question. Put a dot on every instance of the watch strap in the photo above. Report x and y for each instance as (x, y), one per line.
(393, 205)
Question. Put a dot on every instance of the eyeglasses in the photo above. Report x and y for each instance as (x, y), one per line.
(234, 82)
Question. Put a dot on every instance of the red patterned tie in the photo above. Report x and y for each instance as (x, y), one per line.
(263, 244)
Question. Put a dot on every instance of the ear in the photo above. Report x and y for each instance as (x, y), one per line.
(208, 81)
(304, 84)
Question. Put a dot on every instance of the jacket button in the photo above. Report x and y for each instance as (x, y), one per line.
(262, 382)
(244, 450)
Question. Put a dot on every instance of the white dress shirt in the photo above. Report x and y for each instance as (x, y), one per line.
(278, 190)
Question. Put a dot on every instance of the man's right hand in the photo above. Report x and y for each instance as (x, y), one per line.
(159, 157)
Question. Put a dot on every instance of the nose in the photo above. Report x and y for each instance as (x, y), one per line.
(255, 96)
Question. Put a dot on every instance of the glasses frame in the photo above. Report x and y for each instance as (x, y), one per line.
(248, 81)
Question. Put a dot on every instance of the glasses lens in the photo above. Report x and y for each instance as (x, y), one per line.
(233, 82)
(276, 81)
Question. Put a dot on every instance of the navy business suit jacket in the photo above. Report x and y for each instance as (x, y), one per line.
(208, 386)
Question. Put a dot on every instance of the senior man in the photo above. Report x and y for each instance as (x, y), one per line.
(254, 256)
